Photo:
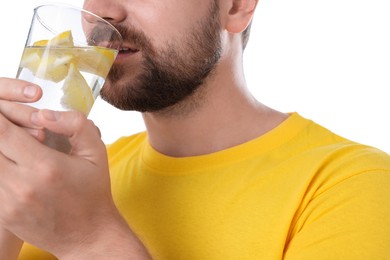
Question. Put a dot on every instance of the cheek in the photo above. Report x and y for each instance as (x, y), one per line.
(167, 20)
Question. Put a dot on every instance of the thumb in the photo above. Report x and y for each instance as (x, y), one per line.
(84, 136)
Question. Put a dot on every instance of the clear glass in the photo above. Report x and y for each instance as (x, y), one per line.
(68, 52)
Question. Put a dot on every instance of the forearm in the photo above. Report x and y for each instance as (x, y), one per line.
(10, 245)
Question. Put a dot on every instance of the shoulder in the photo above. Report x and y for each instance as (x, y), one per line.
(346, 214)
(329, 151)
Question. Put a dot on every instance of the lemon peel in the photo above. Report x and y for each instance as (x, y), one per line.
(41, 43)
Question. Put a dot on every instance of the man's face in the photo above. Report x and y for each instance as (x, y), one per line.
(153, 72)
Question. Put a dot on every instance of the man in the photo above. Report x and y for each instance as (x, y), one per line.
(218, 175)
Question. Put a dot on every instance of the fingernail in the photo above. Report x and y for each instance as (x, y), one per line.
(34, 132)
(30, 91)
(50, 115)
(34, 119)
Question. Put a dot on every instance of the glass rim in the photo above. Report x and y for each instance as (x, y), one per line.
(77, 8)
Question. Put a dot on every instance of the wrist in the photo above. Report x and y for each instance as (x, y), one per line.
(112, 241)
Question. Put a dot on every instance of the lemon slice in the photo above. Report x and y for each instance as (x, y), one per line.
(51, 64)
(53, 67)
(77, 93)
(30, 60)
(49, 59)
(64, 39)
(95, 60)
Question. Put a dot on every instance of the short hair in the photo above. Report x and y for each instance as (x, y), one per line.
(245, 35)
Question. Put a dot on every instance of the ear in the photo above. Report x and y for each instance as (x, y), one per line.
(240, 14)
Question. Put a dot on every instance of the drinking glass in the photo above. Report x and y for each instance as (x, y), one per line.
(68, 53)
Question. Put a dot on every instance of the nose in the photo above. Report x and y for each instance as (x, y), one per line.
(110, 10)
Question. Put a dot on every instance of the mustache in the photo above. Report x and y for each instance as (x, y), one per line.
(102, 35)
(134, 37)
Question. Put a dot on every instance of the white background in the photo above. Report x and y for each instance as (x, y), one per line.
(329, 60)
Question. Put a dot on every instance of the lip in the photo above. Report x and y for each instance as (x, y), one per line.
(126, 52)
(128, 49)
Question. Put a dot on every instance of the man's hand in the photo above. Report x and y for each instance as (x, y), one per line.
(59, 202)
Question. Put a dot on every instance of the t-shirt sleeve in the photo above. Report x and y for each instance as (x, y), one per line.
(350, 220)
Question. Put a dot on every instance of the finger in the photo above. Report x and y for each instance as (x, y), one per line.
(83, 135)
(17, 144)
(18, 113)
(19, 90)
(38, 134)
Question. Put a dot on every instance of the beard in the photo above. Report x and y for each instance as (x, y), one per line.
(168, 76)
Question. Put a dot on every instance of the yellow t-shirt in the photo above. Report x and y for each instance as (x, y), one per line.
(297, 192)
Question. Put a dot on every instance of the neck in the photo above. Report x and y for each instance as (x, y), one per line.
(221, 114)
